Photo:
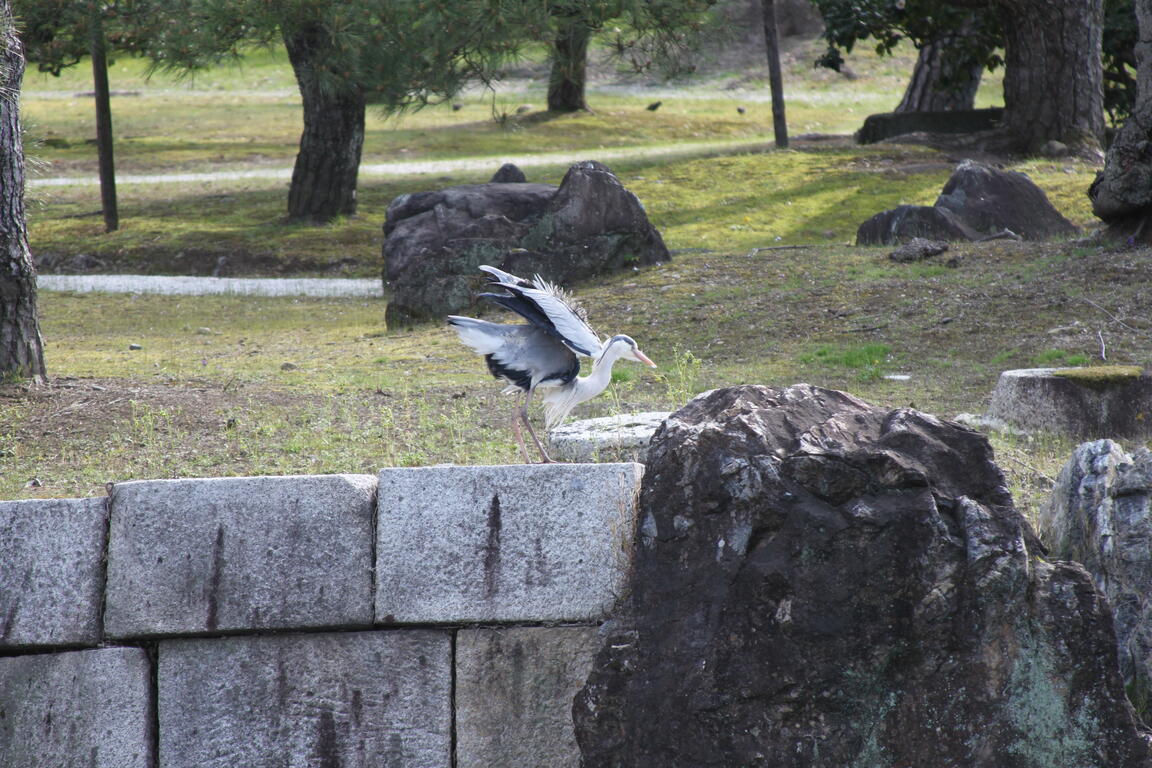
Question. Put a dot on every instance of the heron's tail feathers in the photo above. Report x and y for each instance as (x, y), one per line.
(476, 334)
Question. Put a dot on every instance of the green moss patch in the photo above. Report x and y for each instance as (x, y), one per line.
(1101, 376)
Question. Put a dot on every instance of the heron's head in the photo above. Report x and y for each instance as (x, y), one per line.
(626, 348)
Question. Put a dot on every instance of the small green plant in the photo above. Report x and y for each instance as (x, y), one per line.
(680, 377)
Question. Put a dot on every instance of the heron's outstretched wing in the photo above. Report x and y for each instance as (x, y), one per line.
(547, 307)
(522, 354)
(504, 277)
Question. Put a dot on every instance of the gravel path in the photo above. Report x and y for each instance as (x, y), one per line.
(414, 167)
(204, 286)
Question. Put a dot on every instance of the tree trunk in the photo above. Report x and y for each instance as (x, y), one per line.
(324, 176)
(104, 125)
(942, 80)
(775, 79)
(567, 81)
(21, 348)
(1122, 192)
(1053, 76)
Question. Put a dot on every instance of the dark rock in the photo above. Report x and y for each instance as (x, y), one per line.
(889, 124)
(434, 241)
(918, 249)
(1100, 514)
(907, 222)
(990, 200)
(509, 173)
(977, 203)
(820, 582)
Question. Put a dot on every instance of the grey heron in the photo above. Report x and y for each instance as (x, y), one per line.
(541, 355)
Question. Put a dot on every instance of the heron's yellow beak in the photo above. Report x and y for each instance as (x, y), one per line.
(643, 358)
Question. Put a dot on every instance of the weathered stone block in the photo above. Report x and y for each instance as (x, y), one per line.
(609, 438)
(81, 708)
(888, 124)
(353, 699)
(514, 690)
(542, 542)
(226, 554)
(1099, 402)
(51, 571)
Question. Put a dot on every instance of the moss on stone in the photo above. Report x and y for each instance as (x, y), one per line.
(1101, 376)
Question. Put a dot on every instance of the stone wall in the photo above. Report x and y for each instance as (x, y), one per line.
(433, 616)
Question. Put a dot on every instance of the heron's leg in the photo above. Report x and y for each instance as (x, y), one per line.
(524, 415)
(517, 412)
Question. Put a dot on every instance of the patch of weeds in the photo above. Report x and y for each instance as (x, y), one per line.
(1050, 357)
(1000, 360)
(1031, 464)
(867, 359)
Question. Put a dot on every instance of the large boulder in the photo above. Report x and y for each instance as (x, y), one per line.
(434, 241)
(824, 582)
(991, 200)
(977, 201)
(1100, 514)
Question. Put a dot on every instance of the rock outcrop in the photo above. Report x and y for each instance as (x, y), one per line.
(434, 241)
(977, 202)
(1100, 514)
(820, 582)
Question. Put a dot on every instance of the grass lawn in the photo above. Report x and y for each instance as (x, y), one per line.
(764, 286)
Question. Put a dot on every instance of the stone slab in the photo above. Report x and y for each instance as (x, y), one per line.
(532, 542)
(51, 571)
(217, 555)
(351, 699)
(624, 437)
(514, 691)
(1064, 401)
(86, 708)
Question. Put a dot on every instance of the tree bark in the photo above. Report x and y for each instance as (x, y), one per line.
(569, 76)
(21, 348)
(328, 163)
(1053, 75)
(941, 81)
(775, 78)
(1122, 192)
(104, 125)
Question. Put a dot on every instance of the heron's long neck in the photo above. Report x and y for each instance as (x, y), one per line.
(559, 401)
(600, 377)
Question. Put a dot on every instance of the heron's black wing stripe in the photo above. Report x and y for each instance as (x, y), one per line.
(520, 378)
(523, 307)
